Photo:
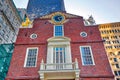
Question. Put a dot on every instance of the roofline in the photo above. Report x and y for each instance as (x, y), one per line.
(58, 11)
(110, 23)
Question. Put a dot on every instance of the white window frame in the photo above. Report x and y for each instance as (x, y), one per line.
(62, 30)
(56, 42)
(81, 34)
(63, 54)
(91, 56)
(67, 53)
(50, 58)
(33, 36)
(27, 56)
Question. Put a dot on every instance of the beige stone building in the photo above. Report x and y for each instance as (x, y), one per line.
(110, 32)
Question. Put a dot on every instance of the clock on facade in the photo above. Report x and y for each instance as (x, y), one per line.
(58, 18)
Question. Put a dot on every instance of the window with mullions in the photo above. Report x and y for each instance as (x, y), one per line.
(117, 73)
(59, 56)
(58, 30)
(115, 59)
(117, 65)
(31, 57)
(86, 54)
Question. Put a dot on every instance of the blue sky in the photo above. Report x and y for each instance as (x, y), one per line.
(103, 11)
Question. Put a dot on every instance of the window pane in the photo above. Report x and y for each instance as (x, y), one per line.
(58, 30)
(119, 73)
(60, 54)
(31, 58)
(115, 72)
(86, 56)
(59, 57)
(115, 60)
(117, 66)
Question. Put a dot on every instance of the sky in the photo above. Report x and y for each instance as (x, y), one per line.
(103, 11)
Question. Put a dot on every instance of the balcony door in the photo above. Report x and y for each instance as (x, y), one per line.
(59, 57)
(59, 53)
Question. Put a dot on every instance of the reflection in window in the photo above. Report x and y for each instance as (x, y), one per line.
(31, 57)
(58, 30)
(115, 59)
(87, 57)
(59, 56)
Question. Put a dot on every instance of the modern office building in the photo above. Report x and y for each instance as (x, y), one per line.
(10, 22)
(110, 33)
(59, 47)
(23, 13)
(37, 8)
(6, 51)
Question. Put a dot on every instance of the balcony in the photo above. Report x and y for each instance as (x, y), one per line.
(59, 71)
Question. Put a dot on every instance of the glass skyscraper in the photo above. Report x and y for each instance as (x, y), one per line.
(6, 51)
(38, 8)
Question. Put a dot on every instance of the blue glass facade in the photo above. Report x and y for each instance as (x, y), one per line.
(6, 51)
(37, 8)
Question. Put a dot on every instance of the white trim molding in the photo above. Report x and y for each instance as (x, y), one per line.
(27, 56)
(91, 54)
(59, 42)
(62, 30)
(67, 69)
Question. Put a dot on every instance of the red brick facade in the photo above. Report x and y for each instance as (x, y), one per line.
(72, 28)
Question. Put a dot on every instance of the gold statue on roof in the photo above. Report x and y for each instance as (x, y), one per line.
(26, 23)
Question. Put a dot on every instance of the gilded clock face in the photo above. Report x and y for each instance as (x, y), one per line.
(58, 18)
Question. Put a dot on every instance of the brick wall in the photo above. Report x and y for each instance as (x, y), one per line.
(44, 30)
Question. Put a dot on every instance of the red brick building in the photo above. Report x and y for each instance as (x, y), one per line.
(59, 47)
